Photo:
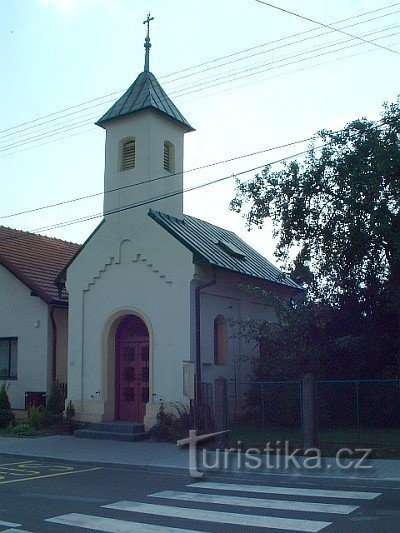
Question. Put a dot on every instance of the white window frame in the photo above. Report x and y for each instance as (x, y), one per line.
(6, 372)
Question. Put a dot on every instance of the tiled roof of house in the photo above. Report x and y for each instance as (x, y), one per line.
(36, 260)
(145, 93)
(221, 248)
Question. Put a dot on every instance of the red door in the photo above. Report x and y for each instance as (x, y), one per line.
(131, 369)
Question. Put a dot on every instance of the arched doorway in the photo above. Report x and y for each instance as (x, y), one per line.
(131, 369)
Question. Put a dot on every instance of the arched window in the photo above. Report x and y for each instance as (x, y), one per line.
(220, 340)
(169, 156)
(128, 155)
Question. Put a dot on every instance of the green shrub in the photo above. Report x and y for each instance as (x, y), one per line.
(173, 426)
(181, 422)
(161, 431)
(36, 417)
(4, 401)
(55, 402)
(6, 417)
(69, 411)
(51, 419)
(22, 430)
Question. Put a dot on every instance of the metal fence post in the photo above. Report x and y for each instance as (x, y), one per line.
(221, 410)
(262, 406)
(358, 411)
(309, 409)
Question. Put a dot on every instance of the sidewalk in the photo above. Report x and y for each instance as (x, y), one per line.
(153, 455)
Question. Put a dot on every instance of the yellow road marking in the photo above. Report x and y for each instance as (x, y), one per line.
(17, 463)
(19, 472)
(49, 475)
(33, 464)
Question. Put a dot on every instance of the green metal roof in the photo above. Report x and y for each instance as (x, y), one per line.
(145, 93)
(221, 248)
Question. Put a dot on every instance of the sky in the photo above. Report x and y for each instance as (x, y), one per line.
(69, 54)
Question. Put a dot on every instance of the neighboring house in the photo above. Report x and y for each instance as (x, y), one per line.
(33, 314)
(152, 287)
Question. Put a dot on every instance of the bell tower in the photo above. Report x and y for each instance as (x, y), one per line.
(144, 148)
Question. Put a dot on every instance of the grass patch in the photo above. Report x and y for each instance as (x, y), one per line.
(384, 442)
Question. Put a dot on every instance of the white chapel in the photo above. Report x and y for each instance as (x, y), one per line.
(152, 287)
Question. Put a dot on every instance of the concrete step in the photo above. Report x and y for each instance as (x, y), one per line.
(109, 435)
(117, 427)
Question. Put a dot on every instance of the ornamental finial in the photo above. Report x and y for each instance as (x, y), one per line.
(147, 43)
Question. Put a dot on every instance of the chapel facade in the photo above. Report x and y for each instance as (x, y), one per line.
(153, 289)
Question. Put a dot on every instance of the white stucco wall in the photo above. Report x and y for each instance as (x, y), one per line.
(61, 320)
(228, 298)
(150, 130)
(149, 274)
(131, 265)
(25, 317)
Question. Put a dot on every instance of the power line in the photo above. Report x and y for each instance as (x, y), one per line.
(165, 196)
(292, 43)
(215, 60)
(326, 26)
(188, 189)
(165, 176)
(294, 71)
(299, 54)
(179, 192)
(200, 87)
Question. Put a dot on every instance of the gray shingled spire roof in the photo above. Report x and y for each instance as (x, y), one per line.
(145, 93)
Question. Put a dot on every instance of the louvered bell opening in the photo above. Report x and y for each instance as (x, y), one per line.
(128, 155)
(167, 157)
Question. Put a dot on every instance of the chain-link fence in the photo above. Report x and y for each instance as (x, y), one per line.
(260, 412)
(359, 413)
(363, 413)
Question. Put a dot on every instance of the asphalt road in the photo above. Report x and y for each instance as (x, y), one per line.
(55, 496)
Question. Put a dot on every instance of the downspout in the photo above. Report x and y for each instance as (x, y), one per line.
(54, 344)
(198, 290)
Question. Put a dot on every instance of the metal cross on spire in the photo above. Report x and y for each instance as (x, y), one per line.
(147, 43)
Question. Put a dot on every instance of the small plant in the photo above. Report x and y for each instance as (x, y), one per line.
(4, 401)
(36, 417)
(161, 431)
(6, 418)
(181, 422)
(55, 402)
(173, 426)
(69, 415)
(22, 430)
(69, 412)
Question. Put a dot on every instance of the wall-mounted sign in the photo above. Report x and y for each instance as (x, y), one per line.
(188, 379)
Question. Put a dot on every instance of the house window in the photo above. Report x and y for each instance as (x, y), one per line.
(169, 154)
(8, 357)
(220, 340)
(128, 155)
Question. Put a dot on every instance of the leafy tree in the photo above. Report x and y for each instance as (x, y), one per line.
(336, 218)
(336, 215)
(322, 339)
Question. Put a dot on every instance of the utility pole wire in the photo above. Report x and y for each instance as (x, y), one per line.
(15, 145)
(327, 26)
(166, 176)
(196, 66)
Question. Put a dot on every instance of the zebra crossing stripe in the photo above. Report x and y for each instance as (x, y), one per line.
(256, 502)
(15, 531)
(221, 517)
(9, 524)
(290, 491)
(99, 523)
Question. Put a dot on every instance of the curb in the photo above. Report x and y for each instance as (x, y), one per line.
(177, 470)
